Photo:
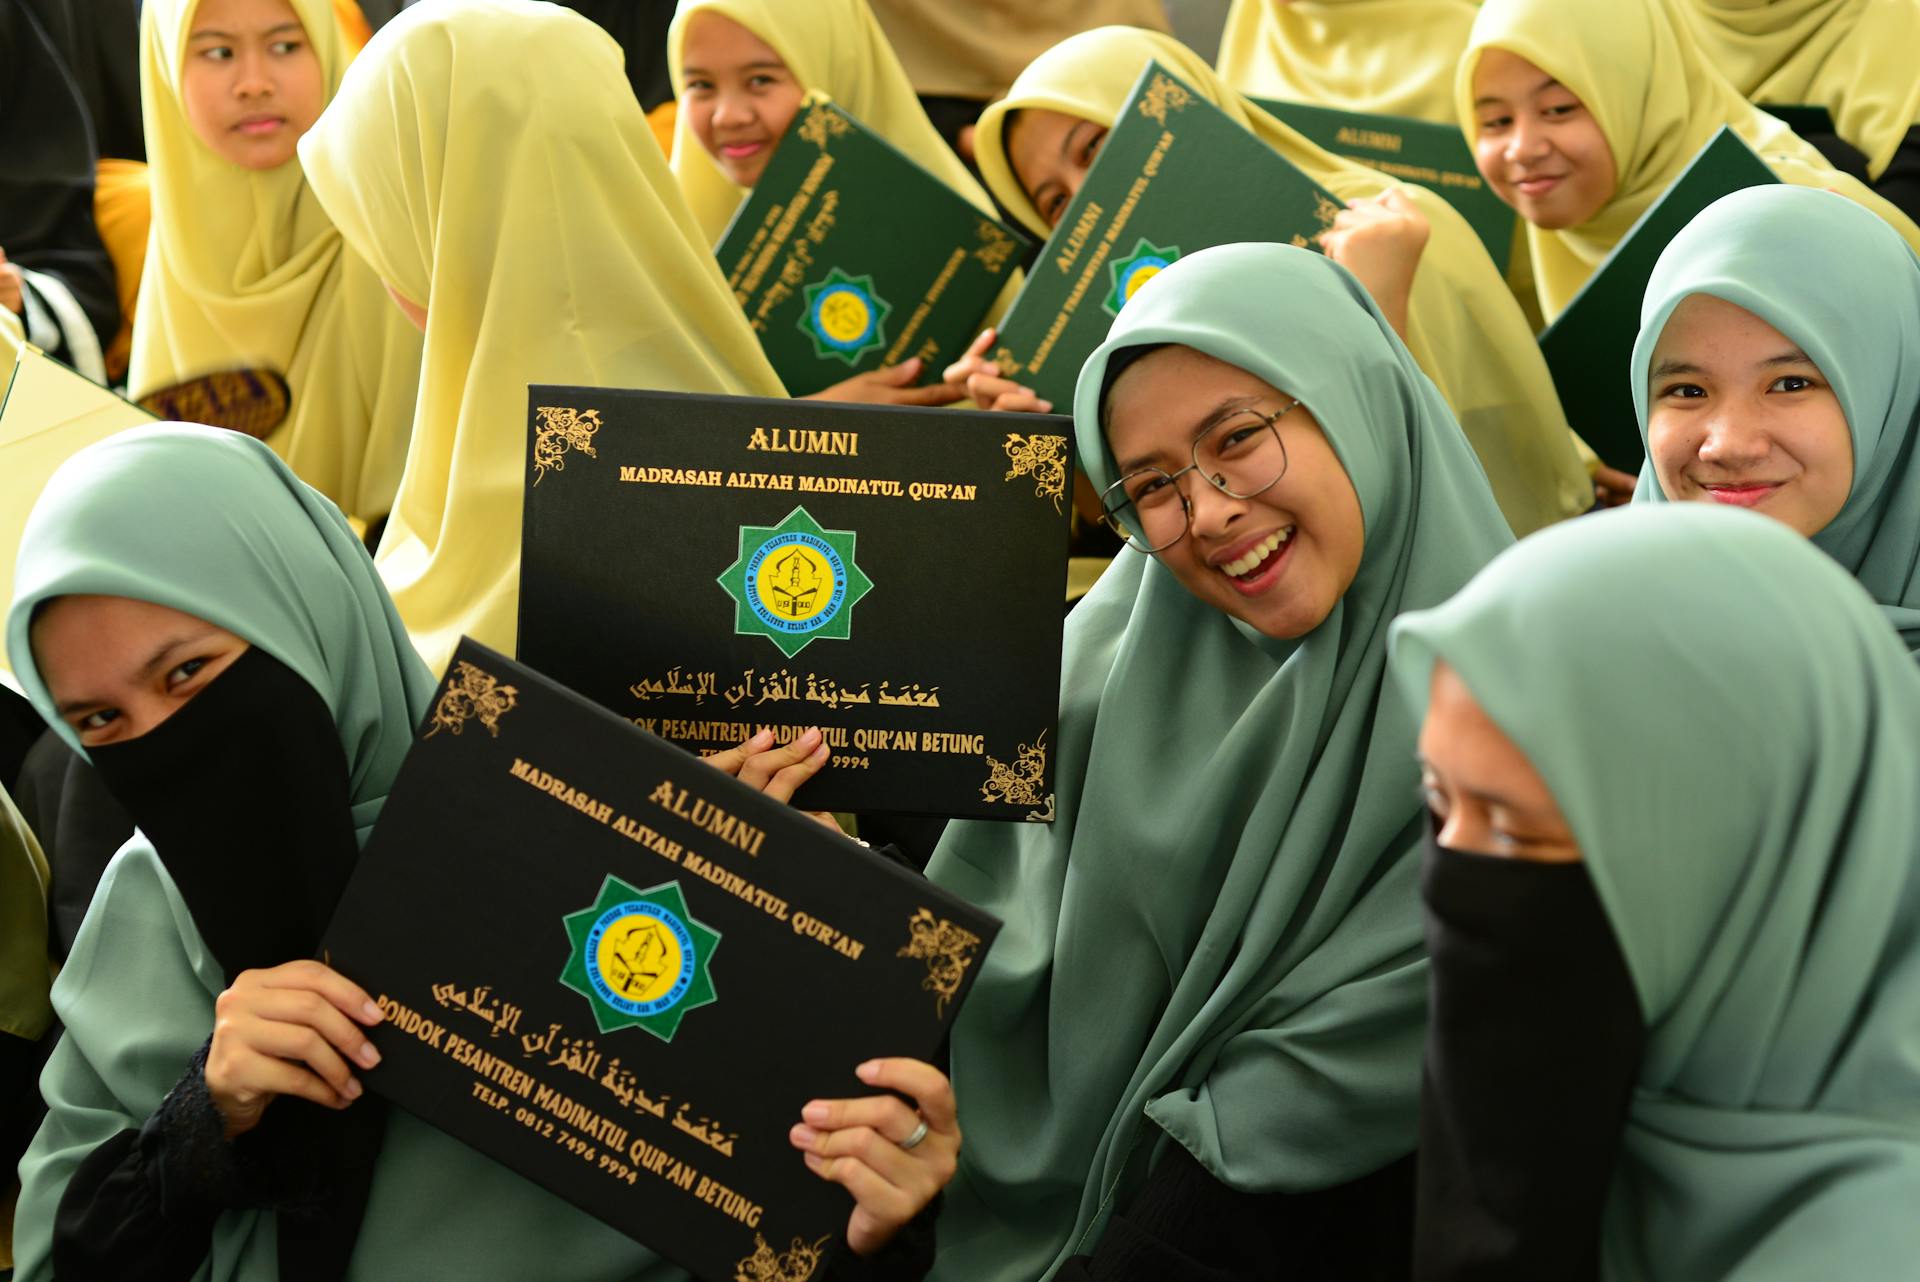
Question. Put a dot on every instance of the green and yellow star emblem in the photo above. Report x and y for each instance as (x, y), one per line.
(1128, 274)
(794, 582)
(845, 317)
(639, 958)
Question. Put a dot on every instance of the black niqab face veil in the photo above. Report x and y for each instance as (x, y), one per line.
(1534, 1040)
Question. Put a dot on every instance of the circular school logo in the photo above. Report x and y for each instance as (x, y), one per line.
(794, 582)
(844, 317)
(1128, 274)
(639, 958)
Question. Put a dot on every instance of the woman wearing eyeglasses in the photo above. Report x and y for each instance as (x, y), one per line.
(1194, 1050)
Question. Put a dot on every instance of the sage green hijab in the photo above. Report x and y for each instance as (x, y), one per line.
(212, 523)
(1842, 284)
(1218, 938)
(1735, 752)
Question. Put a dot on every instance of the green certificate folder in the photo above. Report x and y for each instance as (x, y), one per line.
(620, 973)
(1589, 347)
(1416, 151)
(848, 256)
(1175, 176)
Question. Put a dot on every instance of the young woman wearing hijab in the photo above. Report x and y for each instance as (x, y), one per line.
(243, 267)
(1581, 115)
(1388, 57)
(1194, 1045)
(1460, 321)
(1795, 393)
(1674, 997)
(1853, 57)
(529, 224)
(210, 632)
(741, 69)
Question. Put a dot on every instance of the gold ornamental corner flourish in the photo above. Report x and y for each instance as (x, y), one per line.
(1044, 458)
(562, 428)
(797, 1263)
(474, 694)
(1019, 784)
(823, 125)
(1163, 95)
(948, 951)
(1325, 211)
(994, 248)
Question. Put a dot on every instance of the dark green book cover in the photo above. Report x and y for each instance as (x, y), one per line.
(1589, 347)
(849, 256)
(1175, 176)
(621, 973)
(1417, 151)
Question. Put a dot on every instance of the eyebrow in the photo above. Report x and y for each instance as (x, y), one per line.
(1066, 139)
(1495, 99)
(161, 653)
(1671, 366)
(765, 64)
(1232, 405)
(209, 33)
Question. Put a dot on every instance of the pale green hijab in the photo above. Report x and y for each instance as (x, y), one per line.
(1218, 937)
(1841, 283)
(211, 523)
(1736, 755)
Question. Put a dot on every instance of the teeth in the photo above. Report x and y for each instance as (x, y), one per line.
(1256, 554)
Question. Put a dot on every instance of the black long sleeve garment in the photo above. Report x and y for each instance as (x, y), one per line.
(46, 196)
(1186, 1226)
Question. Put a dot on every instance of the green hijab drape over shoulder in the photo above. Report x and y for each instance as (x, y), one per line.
(1735, 754)
(1218, 937)
(1844, 287)
(211, 523)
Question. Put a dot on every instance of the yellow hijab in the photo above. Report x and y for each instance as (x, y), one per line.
(1638, 69)
(534, 217)
(243, 268)
(1464, 327)
(1391, 57)
(1853, 57)
(833, 47)
(26, 972)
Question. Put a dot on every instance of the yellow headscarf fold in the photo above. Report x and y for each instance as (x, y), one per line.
(26, 972)
(1391, 57)
(1856, 58)
(535, 219)
(1640, 72)
(833, 47)
(1464, 328)
(243, 268)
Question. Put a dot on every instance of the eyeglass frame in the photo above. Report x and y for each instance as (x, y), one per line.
(1113, 523)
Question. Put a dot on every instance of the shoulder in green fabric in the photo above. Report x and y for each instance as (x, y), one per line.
(1231, 868)
(1757, 864)
(1842, 286)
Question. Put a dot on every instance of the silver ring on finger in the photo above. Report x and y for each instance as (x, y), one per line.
(913, 1141)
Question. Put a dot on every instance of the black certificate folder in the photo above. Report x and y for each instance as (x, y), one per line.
(711, 566)
(616, 970)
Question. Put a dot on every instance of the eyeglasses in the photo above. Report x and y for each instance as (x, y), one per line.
(1241, 456)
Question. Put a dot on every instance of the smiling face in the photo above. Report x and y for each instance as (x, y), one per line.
(252, 84)
(1485, 795)
(1537, 145)
(117, 667)
(738, 95)
(1050, 153)
(1737, 414)
(1296, 545)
